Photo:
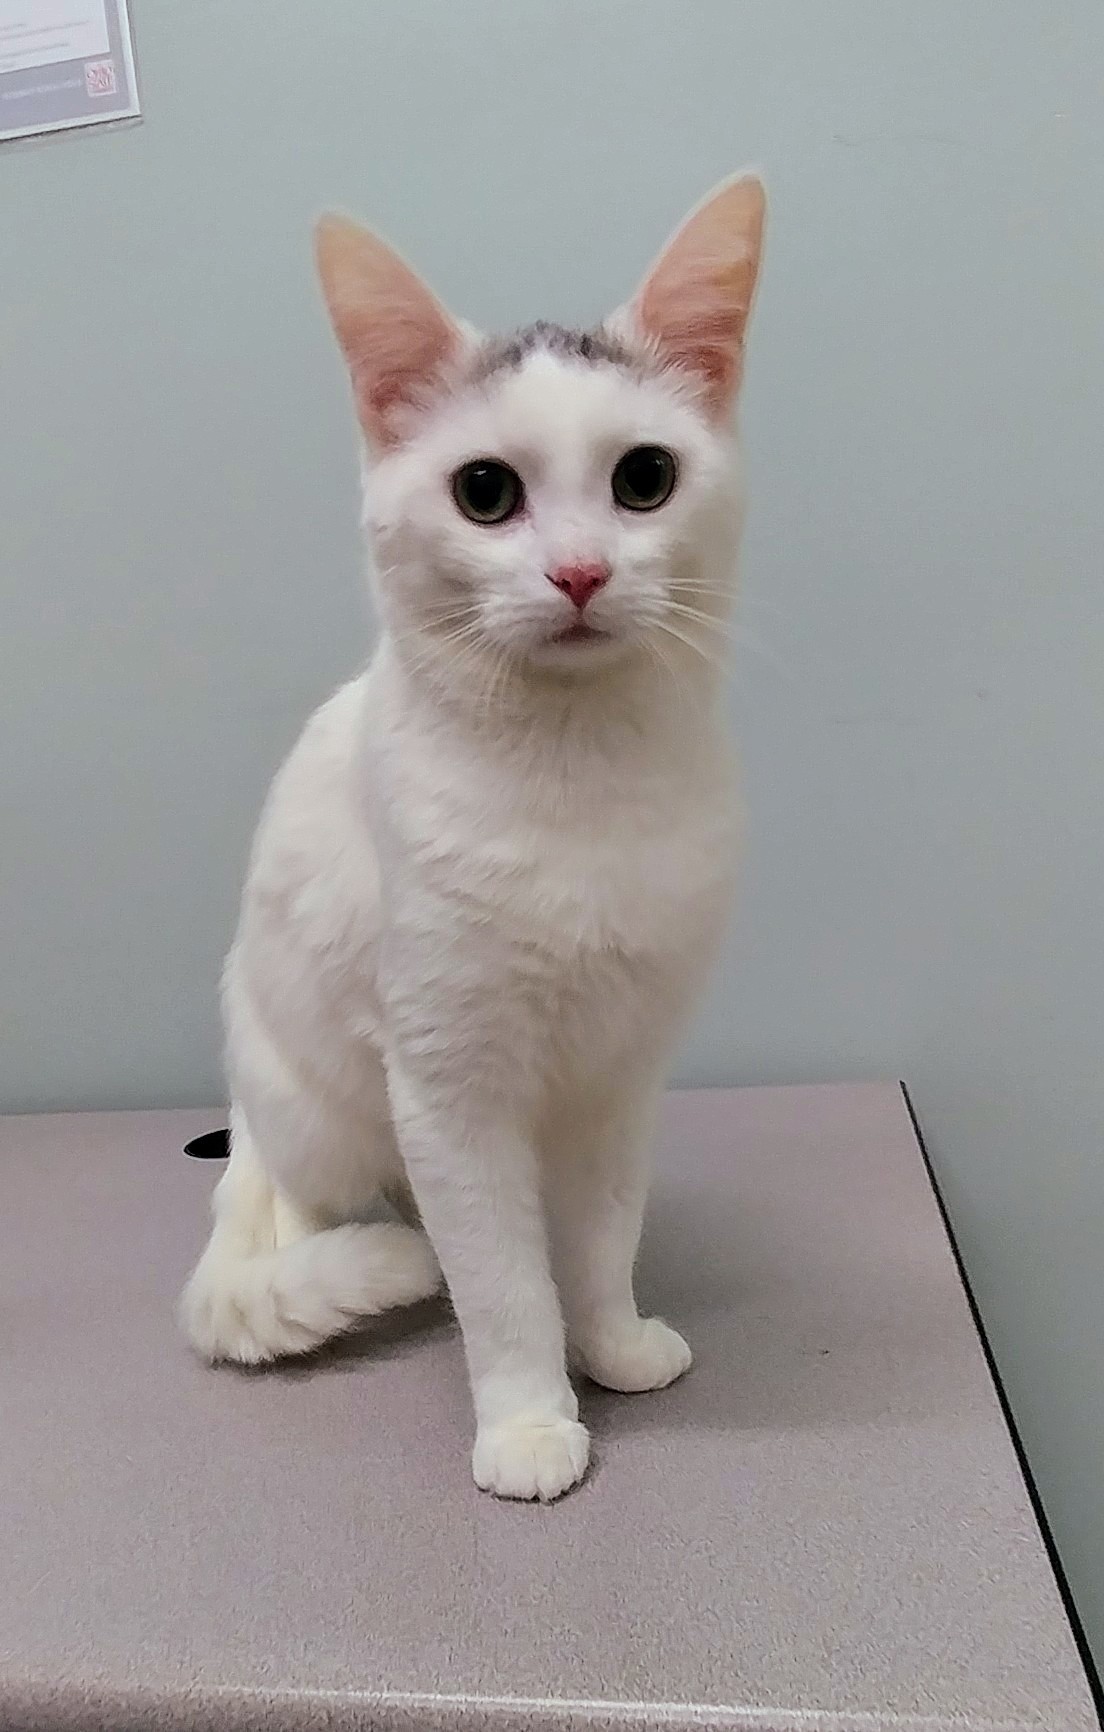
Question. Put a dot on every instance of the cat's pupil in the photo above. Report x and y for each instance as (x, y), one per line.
(486, 486)
(644, 473)
(644, 478)
(487, 491)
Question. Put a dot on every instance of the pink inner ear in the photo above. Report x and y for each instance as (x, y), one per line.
(397, 364)
(694, 304)
(697, 330)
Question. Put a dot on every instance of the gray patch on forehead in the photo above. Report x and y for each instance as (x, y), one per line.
(598, 347)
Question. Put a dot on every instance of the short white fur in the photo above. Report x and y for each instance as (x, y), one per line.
(489, 877)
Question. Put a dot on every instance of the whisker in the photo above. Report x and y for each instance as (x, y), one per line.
(739, 599)
(736, 634)
(688, 586)
(699, 649)
(724, 626)
(466, 640)
(668, 665)
(425, 628)
(495, 680)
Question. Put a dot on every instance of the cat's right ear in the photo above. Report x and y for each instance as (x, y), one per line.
(396, 336)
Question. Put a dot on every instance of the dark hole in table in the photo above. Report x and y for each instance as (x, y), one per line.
(211, 1146)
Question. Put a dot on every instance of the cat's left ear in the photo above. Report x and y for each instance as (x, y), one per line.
(397, 338)
(693, 305)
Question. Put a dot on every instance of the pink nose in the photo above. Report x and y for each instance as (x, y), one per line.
(580, 582)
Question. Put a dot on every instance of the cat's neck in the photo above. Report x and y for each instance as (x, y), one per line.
(641, 707)
(620, 746)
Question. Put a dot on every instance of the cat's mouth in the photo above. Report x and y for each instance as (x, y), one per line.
(580, 631)
(578, 646)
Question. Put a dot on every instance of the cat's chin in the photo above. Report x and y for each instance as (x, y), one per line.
(579, 650)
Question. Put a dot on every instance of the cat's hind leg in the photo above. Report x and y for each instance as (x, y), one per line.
(273, 1281)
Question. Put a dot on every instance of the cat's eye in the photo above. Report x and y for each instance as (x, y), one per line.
(487, 491)
(644, 478)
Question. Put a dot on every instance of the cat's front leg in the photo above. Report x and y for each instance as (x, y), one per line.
(475, 1178)
(598, 1171)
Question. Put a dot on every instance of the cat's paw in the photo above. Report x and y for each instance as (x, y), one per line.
(529, 1457)
(644, 1355)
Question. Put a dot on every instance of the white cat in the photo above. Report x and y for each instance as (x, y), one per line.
(493, 869)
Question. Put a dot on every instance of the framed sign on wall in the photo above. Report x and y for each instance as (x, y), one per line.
(64, 63)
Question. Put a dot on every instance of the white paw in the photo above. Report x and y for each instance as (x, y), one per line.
(530, 1457)
(647, 1354)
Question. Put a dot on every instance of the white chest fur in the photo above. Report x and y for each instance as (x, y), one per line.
(571, 840)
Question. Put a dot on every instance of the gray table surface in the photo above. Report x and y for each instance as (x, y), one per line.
(822, 1529)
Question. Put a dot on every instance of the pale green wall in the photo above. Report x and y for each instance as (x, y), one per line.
(924, 560)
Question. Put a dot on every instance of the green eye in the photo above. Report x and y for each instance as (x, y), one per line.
(487, 491)
(645, 477)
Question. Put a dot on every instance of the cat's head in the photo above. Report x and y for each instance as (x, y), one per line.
(556, 498)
